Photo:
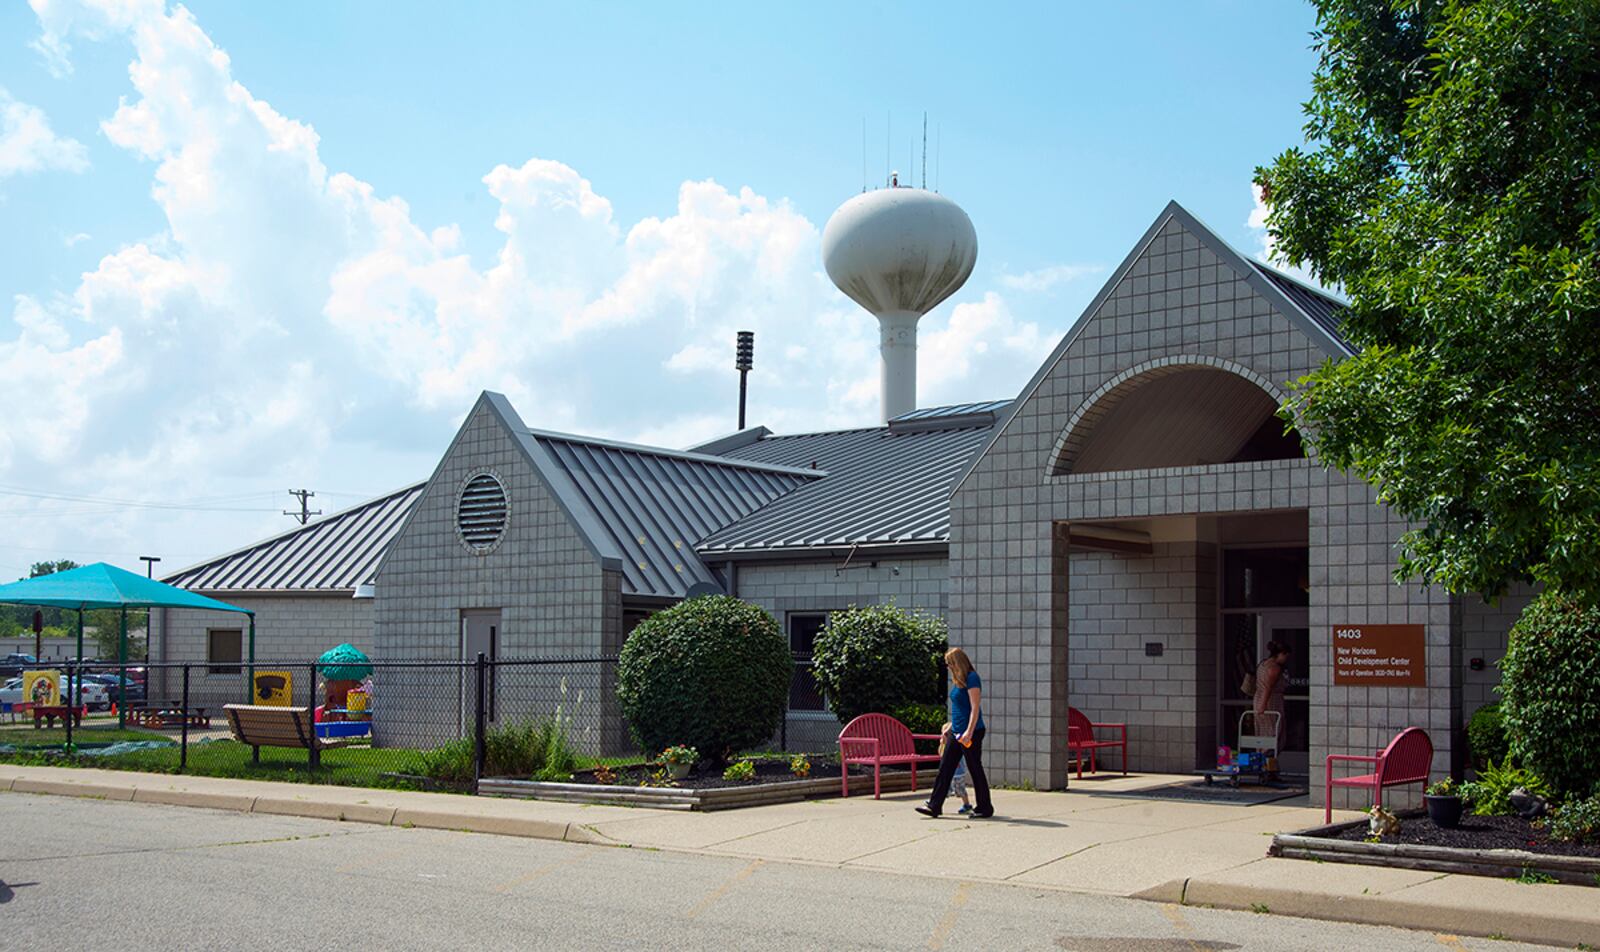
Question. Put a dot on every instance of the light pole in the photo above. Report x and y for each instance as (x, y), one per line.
(149, 564)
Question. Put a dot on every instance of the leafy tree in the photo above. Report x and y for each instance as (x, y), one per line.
(1451, 186)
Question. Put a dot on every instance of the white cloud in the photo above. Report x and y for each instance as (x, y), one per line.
(290, 326)
(76, 238)
(1044, 279)
(27, 143)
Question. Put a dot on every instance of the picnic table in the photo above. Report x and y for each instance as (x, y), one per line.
(49, 712)
(168, 715)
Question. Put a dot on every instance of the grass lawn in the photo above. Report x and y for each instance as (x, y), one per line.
(56, 736)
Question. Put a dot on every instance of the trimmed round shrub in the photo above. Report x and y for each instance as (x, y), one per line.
(710, 673)
(1486, 736)
(1550, 693)
(879, 659)
(923, 719)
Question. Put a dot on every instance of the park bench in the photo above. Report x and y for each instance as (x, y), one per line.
(879, 740)
(262, 726)
(1081, 740)
(1408, 759)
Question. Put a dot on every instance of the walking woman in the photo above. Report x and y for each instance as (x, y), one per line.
(966, 723)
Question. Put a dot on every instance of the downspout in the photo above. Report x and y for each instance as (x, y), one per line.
(732, 571)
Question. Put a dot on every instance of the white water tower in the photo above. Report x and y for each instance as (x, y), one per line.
(898, 252)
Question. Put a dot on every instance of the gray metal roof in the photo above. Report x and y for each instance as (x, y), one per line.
(954, 410)
(655, 504)
(335, 553)
(1320, 306)
(884, 487)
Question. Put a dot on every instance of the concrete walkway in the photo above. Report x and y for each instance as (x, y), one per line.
(1089, 840)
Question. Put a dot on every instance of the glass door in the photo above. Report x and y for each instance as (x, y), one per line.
(1292, 629)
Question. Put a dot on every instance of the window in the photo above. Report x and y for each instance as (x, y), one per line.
(804, 692)
(224, 650)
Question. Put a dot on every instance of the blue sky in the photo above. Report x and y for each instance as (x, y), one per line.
(287, 268)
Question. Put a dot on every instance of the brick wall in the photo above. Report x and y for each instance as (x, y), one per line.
(1011, 574)
(554, 596)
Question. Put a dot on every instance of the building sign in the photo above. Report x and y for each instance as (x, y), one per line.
(1379, 656)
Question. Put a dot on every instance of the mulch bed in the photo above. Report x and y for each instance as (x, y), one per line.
(768, 770)
(1479, 833)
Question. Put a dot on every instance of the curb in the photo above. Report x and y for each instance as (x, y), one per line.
(423, 818)
(1381, 910)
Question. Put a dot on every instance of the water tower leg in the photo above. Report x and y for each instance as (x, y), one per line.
(897, 343)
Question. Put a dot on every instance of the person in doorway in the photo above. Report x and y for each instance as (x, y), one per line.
(1272, 683)
(966, 722)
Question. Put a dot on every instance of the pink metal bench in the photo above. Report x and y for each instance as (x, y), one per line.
(1081, 740)
(879, 739)
(1407, 759)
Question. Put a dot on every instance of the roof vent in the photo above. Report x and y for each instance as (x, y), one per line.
(481, 513)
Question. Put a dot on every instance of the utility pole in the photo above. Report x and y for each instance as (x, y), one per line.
(304, 515)
(149, 564)
(745, 360)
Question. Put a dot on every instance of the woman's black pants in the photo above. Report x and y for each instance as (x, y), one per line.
(953, 752)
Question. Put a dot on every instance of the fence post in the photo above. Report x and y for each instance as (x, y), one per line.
(478, 752)
(311, 712)
(183, 748)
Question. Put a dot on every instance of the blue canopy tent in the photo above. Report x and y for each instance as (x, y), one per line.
(106, 586)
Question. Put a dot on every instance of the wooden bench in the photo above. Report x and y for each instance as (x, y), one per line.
(879, 739)
(263, 726)
(1081, 740)
(1407, 759)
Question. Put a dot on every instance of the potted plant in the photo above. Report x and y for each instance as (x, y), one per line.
(1444, 803)
(678, 759)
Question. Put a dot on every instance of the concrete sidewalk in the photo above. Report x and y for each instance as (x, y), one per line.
(1089, 840)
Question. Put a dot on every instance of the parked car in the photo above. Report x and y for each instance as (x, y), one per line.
(15, 664)
(134, 689)
(93, 693)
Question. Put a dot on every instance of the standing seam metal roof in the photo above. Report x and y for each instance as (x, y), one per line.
(656, 504)
(1323, 308)
(882, 488)
(335, 553)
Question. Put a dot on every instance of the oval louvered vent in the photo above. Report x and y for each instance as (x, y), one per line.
(481, 512)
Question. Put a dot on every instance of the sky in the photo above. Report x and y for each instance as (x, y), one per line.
(247, 248)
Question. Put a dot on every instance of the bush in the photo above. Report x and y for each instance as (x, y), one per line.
(1486, 735)
(710, 673)
(1576, 821)
(880, 659)
(923, 719)
(1490, 794)
(1550, 693)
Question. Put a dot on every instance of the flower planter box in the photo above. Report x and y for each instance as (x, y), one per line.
(705, 798)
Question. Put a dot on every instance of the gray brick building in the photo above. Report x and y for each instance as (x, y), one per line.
(1123, 538)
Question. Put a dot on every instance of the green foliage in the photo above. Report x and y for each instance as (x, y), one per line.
(1490, 794)
(1486, 735)
(537, 749)
(1576, 821)
(923, 719)
(1444, 788)
(880, 658)
(1533, 877)
(1550, 693)
(711, 673)
(679, 754)
(743, 770)
(1448, 187)
(800, 766)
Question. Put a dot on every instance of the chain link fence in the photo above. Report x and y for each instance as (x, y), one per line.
(409, 724)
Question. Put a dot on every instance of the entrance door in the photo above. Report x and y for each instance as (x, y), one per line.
(1291, 627)
(480, 634)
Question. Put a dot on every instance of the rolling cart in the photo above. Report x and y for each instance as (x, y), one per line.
(1258, 743)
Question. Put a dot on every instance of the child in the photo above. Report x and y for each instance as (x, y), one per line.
(958, 782)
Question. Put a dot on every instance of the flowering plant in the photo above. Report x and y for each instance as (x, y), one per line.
(677, 755)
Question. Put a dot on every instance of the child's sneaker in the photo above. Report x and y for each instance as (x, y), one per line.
(965, 809)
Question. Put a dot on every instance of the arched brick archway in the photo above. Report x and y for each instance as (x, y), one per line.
(1100, 405)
